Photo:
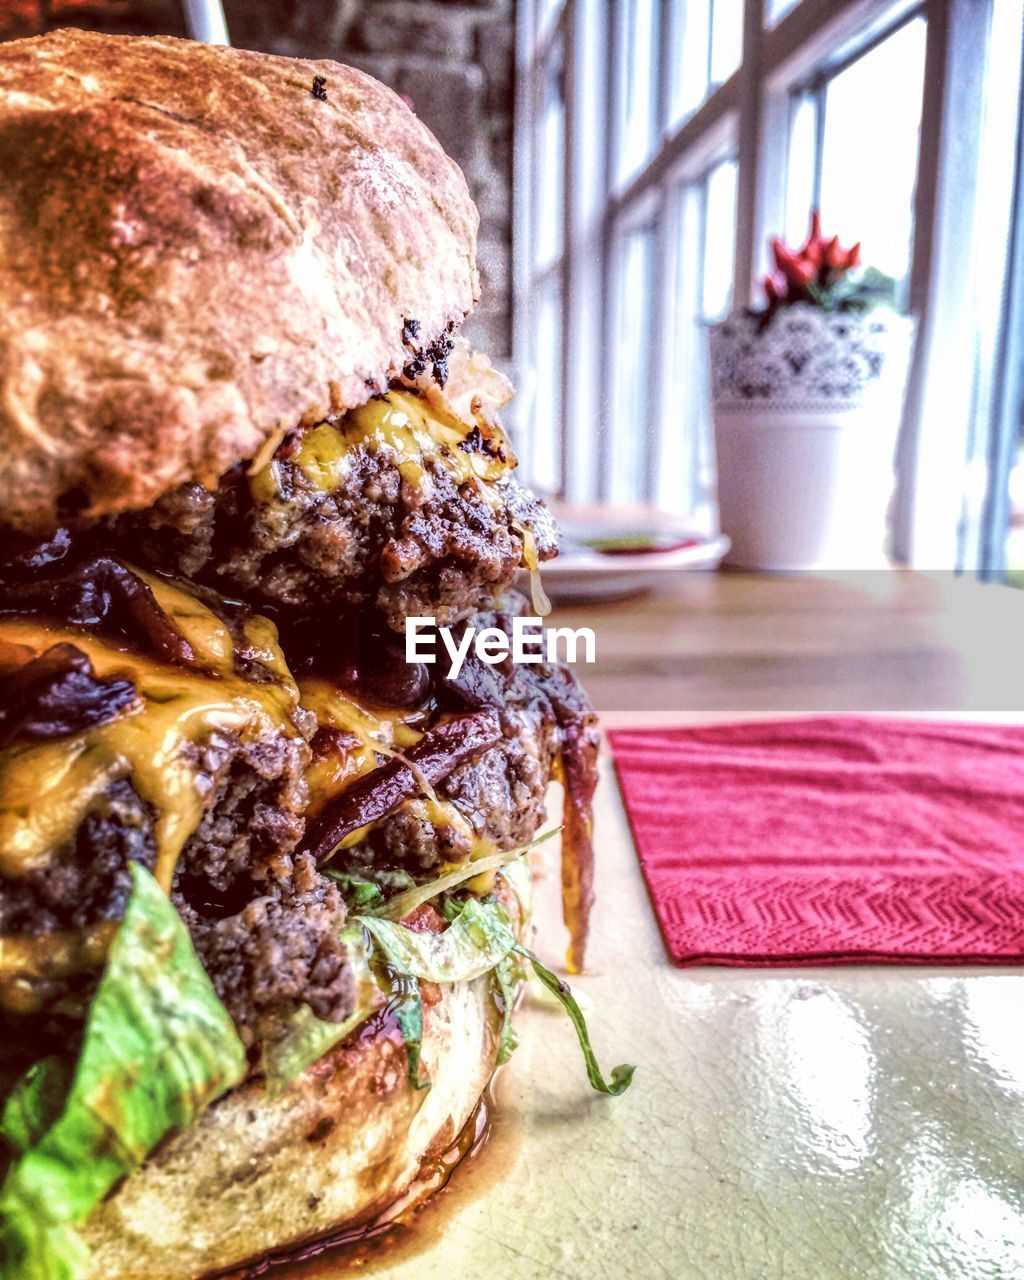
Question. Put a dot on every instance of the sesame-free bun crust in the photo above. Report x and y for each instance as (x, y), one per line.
(257, 1175)
(254, 1175)
(195, 253)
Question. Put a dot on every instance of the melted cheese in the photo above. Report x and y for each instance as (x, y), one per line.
(27, 962)
(47, 787)
(403, 426)
(370, 733)
(374, 734)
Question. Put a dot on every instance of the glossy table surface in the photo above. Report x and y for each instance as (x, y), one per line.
(783, 1125)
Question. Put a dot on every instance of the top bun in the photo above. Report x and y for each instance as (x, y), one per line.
(196, 252)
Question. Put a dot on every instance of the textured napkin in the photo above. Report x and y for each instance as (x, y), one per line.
(831, 841)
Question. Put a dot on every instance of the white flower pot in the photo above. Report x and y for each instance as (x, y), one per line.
(807, 414)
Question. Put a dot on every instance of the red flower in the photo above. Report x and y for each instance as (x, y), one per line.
(818, 262)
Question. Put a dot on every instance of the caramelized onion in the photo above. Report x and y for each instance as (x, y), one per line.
(97, 591)
(579, 777)
(380, 793)
(57, 694)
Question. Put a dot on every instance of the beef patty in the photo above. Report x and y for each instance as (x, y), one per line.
(437, 544)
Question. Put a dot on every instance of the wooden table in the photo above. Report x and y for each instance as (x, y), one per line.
(737, 643)
(814, 1124)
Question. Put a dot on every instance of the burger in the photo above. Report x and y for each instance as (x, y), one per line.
(264, 883)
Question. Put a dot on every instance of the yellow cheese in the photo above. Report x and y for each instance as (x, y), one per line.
(47, 787)
(402, 426)
(373, 734)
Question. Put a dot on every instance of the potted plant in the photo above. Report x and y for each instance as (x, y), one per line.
(807, 396)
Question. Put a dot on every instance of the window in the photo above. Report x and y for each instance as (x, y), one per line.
(637, 36)
(854, 147)
(661, 144)
(707, 47)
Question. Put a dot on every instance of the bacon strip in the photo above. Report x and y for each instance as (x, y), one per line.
(378, 794)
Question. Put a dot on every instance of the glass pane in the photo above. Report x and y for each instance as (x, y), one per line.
(545, 420)
(691, 38)
(869, 158)
(638, 60)
(776, 10)
(719, 239)
(544, 14)
(550, 149)
(630, 425)
(800, 163)
(702, 289)
(726, 38)
(1015, 533)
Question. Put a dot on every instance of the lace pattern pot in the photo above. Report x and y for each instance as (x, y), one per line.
(808, 360)
(807, 412)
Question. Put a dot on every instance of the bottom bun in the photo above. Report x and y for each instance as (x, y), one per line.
(255, 1175)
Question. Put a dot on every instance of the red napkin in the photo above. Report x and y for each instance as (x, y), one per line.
(831, 841)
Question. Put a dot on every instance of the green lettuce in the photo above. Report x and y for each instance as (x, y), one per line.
(158, 1048)
(470, 947)
(508, 973)
(480, 940)
(362, 894)
(399, 907)
(403, 990)
(35, 1103)
(621, 1075)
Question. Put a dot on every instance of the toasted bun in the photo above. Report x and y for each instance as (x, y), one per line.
(196, 252)
(256, 1175)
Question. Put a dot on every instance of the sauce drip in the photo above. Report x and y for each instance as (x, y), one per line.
(577, 772)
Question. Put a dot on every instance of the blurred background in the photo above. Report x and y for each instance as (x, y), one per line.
(631, 160)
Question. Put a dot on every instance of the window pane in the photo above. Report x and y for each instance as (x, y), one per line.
(691, 38)
(544, 14)
(719, 239)
(638, 60)
(869, 157)
(702, 291)
(800, 165)
(776, 10)
(544, 422)
(726, 38)
(550, 148)
(631, 426)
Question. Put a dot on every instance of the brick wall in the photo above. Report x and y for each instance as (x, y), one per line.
(453, 61)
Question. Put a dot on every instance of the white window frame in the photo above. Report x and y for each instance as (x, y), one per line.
(748, 115)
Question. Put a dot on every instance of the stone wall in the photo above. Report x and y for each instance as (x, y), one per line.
(453, 61)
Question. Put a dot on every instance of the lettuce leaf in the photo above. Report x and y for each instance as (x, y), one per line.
(508, 973)
(158, 1048)
(362, 894)
(35, 1102)
(621, 1075)
(399, 907)
(468, 948)
(480, 940)
(406, 1002)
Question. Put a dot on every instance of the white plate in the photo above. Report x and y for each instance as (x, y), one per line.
(579, 575)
